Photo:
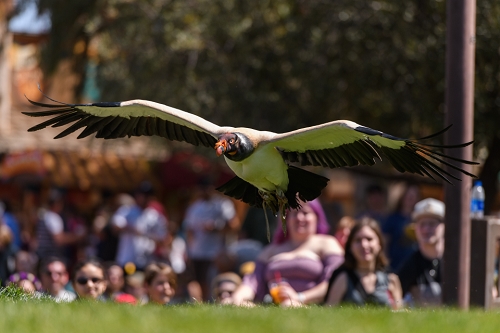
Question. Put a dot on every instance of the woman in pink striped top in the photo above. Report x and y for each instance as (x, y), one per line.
(302, 261)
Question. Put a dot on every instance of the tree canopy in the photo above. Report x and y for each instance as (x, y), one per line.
(280, 64)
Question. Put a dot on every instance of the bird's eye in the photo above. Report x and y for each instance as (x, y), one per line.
(231, 141)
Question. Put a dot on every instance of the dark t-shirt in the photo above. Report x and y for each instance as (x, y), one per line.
(419, 270)
(400, 246)
(356, 294)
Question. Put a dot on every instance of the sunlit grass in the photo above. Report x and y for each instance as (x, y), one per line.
(22, 313)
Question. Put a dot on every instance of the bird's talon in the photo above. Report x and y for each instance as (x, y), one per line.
(283, 223)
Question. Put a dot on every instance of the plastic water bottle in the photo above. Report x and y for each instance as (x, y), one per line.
(477, 201)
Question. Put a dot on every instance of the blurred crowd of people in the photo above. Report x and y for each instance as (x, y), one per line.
(131, 253)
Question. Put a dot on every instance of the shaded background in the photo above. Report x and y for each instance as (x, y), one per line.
(272, 65)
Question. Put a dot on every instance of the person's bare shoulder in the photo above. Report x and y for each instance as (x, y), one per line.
(326, 245)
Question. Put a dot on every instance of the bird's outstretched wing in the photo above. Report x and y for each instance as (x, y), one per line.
(130, 118)
(345, 143)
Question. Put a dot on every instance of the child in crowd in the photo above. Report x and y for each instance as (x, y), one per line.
(89, 280)
(160, 282)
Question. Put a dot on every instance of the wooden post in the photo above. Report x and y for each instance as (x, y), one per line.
(460, 41)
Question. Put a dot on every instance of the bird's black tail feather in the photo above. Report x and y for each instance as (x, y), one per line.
(239, 189)
(304, 184)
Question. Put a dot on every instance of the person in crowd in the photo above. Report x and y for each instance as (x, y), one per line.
(74, 223)
(116, 283)
(375, 204)
(301, 261)
(10, 221)
(397, 231)
(28, 216)
(173, 251)
(140, 228)
(5, 251)
(343, 229)
(241, 252)
(205, 223)
(104, 238)
(89, 280)
(134, 285)
(25, 261)
(160, 282)
(224, 285)
(54, 277)
(420, 274)
(362, 279)
(28, 282)
(51, 236)
(254, 225)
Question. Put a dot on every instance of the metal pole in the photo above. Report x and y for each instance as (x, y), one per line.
(460, 40)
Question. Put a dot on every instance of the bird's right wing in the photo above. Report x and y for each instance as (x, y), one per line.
(345, 143)
(130, 118)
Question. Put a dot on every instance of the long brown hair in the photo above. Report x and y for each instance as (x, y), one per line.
(381, 261)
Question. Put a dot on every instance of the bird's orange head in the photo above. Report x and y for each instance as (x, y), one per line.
(220, 147)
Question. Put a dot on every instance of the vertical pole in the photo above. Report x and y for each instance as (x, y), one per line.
(460, 41)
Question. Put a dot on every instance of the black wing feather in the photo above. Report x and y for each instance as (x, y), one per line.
(112, 127)
(413, 156)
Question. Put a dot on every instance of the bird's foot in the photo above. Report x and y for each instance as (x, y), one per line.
(268, 201)
(283, 207)
(278, 203)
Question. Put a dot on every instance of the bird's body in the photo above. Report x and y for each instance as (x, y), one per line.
(267, 176)
(261, 160)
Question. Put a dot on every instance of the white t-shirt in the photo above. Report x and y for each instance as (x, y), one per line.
(150, 224)
(125, 215)
(217, 211)
(53, 222)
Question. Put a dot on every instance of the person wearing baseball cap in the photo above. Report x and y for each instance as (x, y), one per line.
(420, 274)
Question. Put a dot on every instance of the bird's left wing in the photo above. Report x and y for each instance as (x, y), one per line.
(345, 143)
(130, 118)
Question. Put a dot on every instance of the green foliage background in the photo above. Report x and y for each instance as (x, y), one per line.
(282, 64)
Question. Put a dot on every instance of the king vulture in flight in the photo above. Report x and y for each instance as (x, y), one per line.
(260, 159)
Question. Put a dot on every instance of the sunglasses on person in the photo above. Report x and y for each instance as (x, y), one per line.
(83, 280)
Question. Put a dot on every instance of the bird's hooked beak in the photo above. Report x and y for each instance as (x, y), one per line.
(220, 147)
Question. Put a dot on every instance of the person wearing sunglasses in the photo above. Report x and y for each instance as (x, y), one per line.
(89, 279)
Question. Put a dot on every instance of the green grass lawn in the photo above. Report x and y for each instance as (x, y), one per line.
(25, 315)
